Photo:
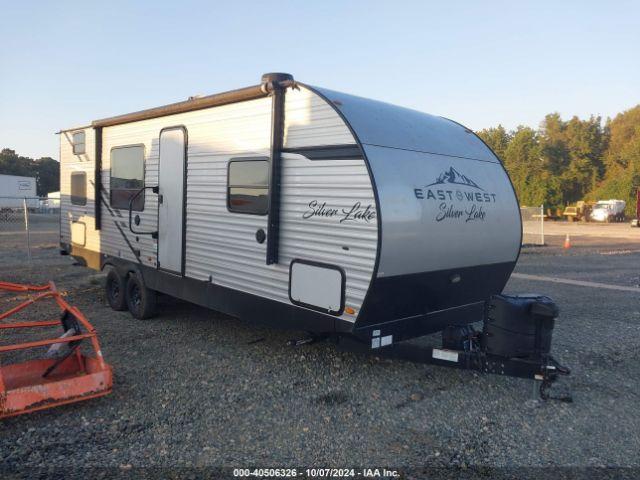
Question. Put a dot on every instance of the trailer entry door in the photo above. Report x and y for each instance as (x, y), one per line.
(171, 198)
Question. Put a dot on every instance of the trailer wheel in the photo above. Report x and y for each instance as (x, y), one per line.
(115, 290)
(141, 300)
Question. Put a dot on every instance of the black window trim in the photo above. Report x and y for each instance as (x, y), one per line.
(228, 189)
(72, 196)
(144, 173)
(84, 143)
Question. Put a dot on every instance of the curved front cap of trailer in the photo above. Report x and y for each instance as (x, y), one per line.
(450, 227)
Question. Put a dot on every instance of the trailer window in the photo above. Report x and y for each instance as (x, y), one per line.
(127, 177)
(78, 143)
(248, 186)
(78, 188)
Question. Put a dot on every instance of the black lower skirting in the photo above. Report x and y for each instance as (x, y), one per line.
(403, 306)
(420, 325)
(421, 294)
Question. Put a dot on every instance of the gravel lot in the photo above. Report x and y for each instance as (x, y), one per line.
(195, 388)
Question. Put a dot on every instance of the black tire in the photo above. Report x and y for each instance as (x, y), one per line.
(141, 301)
(115, 290)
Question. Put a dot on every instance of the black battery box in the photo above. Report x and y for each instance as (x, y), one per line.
(518, 325)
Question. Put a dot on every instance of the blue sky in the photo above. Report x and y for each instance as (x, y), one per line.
(66, 63)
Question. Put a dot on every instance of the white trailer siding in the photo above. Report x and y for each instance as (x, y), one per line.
(310, 121)
(69, 213)
(341, 184)
(221, 245)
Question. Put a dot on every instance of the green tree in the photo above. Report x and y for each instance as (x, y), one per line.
(47, 175)
(623, 131)
(585, 144)
(497, 138)
(523, 161)
(566, 161)
(622, 160)
(554, 145)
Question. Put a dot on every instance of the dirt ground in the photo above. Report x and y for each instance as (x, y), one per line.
(195, 389)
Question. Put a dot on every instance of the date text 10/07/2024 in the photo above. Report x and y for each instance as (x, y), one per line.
(316, 472)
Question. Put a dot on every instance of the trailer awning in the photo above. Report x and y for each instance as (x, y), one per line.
(196, 103)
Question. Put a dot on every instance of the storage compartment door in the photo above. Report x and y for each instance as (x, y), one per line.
(79, 233)
(317, 286)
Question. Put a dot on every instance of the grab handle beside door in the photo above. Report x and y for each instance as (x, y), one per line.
(155, 189)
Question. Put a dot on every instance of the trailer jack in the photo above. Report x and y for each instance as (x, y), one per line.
(64, 375)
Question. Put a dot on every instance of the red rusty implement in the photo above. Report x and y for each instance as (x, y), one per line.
(68, 376)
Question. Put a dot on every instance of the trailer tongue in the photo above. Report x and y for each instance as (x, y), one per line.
(64, 375)
(515, 341)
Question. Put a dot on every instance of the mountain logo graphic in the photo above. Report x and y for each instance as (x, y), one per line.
(455, 177)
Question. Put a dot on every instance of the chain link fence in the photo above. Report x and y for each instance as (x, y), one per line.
(23, 218)
(532, 225)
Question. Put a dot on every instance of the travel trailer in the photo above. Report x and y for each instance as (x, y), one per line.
(294, 205)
